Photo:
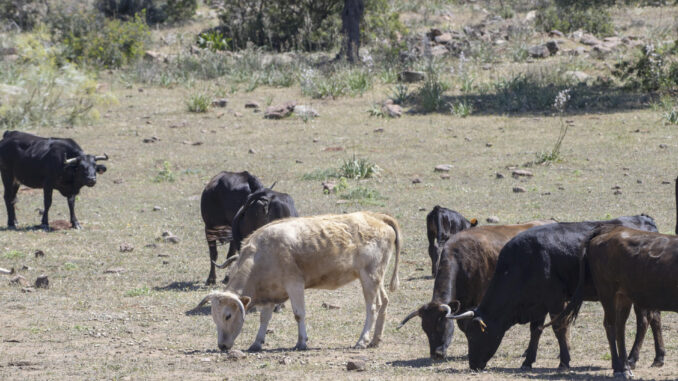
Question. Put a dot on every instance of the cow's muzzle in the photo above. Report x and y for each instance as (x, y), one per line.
(91, 181)
(224, 347)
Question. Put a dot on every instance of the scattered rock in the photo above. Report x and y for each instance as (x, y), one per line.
(221, 102)
(639, 181)
(416, 180)
(280, 111)
(39, 254)
(443, 168)
(118, 181)
(330, 306)
(663, 146)
(25, 268)
(235, 354)
(168, 237)
(357, 365)
(115, 270)
(285, 360)
(156, 208)
(602, 50)
(329, 187)
(237, 114)
(530, 16)
(305, 111)
(333, 149)
(411, 76)
(521, 173)
(433, 33)
(488, 145)
(492, 220)
(42, 281)
(443, 38)
(499, 175)
(538, 51)
(519, 190)
(378, 130)
(162, 255)
(556, 33)
(392, 110)
(299, 161)
(666, 182)
(438, 51)
(617, 192)
(151, 55)
(577, 75)
(251, 151)
(252, 104)
(589, 39)
(615, 187)
(27, 289)
(19, 280)
(445, 176)
(152, 139)
(126, 248)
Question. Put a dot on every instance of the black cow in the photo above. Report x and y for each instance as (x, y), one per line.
(221, 199)
(441, 224)
(47, 163)
(537, 273)
(467, 263)
(261, 207)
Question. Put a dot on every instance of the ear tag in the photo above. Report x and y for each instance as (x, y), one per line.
(482, 326)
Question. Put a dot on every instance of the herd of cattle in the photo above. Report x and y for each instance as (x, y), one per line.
(487, 278)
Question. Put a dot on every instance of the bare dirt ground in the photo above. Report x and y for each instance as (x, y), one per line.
(109, 314)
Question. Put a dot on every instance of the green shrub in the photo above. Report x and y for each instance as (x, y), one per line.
(96, 41)
(212, 40)
(22, 14)
(651, 70)
(358, 169)
(198, 102)
(154, 11)
(431, 92)
(462, 109)
(400, 94)
(165, 174)
(594, 19)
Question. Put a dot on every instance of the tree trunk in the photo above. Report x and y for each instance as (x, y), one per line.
(350, 20)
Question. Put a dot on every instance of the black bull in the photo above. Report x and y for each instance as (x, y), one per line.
(47, 163)
(537, 273)
(441, 224)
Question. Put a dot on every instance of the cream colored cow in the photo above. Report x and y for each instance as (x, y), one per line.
(281, 259)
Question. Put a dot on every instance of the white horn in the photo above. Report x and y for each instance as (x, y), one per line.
(227, 263)
(465, 315)
(410, 316)
(70, 161)
(448, 310)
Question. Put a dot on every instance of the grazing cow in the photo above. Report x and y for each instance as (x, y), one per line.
(467, 263)
(47, 163)
(261, 207)
(626, 266)
(280, 260)
(537, 273)
(221, 199)
(441, 224)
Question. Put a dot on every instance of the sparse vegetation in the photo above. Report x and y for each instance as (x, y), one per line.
(166, 174)
(462, 109)
(431, 92)
(198, 102)
(355, 168)
(400, 93)
(559, 104)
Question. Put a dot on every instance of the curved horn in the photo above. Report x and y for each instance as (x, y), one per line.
(241, 307)
(410, 316)
(70, 161)
(97, 158)
(446, 309)
(228, 262)
(465, 315)
(272, 185)
(204, 300)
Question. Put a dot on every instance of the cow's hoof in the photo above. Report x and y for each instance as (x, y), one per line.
(526, 367)
(11, 227)
(360, 345)
(657, 363)
(374, 344)
(300, 347)
(210, 281)
(563, 366)
(627, 374)
(76, 225)
(632, 364)
(256, 347)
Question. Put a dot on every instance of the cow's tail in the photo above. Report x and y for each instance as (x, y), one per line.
(398, 245)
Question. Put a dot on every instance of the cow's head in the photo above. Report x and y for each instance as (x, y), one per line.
(483, 338)
(85, 168)
(228, 313)
(438, 328)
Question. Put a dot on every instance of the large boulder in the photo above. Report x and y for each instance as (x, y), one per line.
(411, 76)
(538, 51)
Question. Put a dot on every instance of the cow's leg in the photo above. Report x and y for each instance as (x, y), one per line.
(562, 332)
(370, 291)
(641, 329)
(608, 323)
(381, 318)
(656, 324)
(47, 196)
(11, 189)
(531, 351)
(295, 290)
(71, 208)
(264, 317)
(622, 310)
(211, 278)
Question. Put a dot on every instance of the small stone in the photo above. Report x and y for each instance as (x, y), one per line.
(519, 190)
(163, 255)
(280, 111)
(237, 114)
(392, 110)
(615, 187)
(576, 75)
(115, 270)
(205, 359)
(221, 102)
(25, 268)
(19, 280)
(152, 139)
(39, 253)
(488, 145)
(156, 208)
(378, 130)
(235, 354)
(330, 306)
(285, 360)
(305, 111)
(416, 180)
(666, 182)
(422, 209)
(252, 104)
(251, 151)
(196, 143)
(538, 51)
(492, 219)
(172, 239)
(499, 175)
(556, 33)
(443, 168)
(357, 365)
(118, 181)
(445, 176)
(27, 289)
(42, 281)
(299, 161)
(521, 173)
(126, 248)
(617, 192)
(663, 146)
(639, 181)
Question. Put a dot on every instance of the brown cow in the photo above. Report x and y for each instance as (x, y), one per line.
(628, 267)
(467, 262)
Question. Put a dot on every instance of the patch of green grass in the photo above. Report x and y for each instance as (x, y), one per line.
(363, 196)
(399, 93)
(14, 254)
(166, 174)
(320, 174)
(199, 102)
(358, 169)
(671, 116)
(376, 111)
(139, 291)
(462, 109)
(70, 266)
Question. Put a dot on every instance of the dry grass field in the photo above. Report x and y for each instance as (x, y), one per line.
(109, 314)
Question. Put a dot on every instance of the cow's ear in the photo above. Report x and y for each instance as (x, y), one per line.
(454, 306)
(245, 301)
(474, 221)
(100, 168)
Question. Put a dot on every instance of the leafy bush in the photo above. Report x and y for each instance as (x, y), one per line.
(462, 109)
(652, 70)
(154, 11)
(93, 40)
(22, 14)
(579, 15)
(400, 94)
(212, 40)
(358, 169)
(431, 92)
(198, 102)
